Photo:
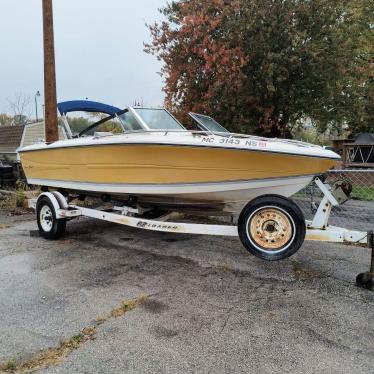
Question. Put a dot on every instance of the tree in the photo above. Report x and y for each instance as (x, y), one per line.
(265, 65)
(20, 107)
(5, 119)
(78, 124)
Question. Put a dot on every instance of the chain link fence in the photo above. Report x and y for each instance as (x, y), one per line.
(357, 213)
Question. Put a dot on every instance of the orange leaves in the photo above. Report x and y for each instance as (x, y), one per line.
(202, 64)
(204, 56)
(263, 63)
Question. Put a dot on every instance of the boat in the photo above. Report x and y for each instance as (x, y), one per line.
(155, 161)
(152, 161)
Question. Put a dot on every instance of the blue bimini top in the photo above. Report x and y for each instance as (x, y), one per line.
(86, 106)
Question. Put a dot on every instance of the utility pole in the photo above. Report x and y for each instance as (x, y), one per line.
(51, 128)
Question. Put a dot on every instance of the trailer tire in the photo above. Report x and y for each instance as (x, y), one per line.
(272, 227)
(49, 226)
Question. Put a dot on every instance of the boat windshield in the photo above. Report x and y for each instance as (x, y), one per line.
(158, 119)
(129, 122)
(207, 123)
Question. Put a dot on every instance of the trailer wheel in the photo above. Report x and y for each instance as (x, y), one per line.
(49, 227)
(272, 227)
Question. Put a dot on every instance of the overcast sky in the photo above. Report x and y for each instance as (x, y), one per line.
(99, 50)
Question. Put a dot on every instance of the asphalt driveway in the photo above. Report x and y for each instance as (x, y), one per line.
(112, 299)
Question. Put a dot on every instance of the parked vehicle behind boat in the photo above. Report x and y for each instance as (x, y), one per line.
(7, 176)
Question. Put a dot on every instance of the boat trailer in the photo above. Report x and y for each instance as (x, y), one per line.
(53, 210)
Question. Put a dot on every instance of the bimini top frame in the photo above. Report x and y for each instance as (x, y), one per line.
(86, 106)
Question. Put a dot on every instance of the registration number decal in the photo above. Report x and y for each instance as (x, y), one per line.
(249, 143)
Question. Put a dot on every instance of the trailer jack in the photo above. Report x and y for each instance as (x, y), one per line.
(366, 280)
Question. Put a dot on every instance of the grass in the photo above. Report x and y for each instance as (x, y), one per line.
(56, 355)
(52, 356)
(124, 307)
(302, 272)
(11, 365)
(13, 200)
(358, 193)
(363, 193)
(223, 268)
(8, 202)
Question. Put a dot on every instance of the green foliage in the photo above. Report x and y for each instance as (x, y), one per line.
(363, 193)
(11, 365)
(5, 120)
(110, 126)
(20, 119)
(78, 124)
(263, 65)
(77, 339)
(309, 135)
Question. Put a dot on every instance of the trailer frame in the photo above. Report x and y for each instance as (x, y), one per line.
(317, 229)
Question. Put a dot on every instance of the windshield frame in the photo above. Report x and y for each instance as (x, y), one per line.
(202, 125)
(138, 118)
(144, 124)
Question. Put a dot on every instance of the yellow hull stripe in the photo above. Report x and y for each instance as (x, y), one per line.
(155, 164)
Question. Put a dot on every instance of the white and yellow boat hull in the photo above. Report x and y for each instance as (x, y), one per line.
(176, 169)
